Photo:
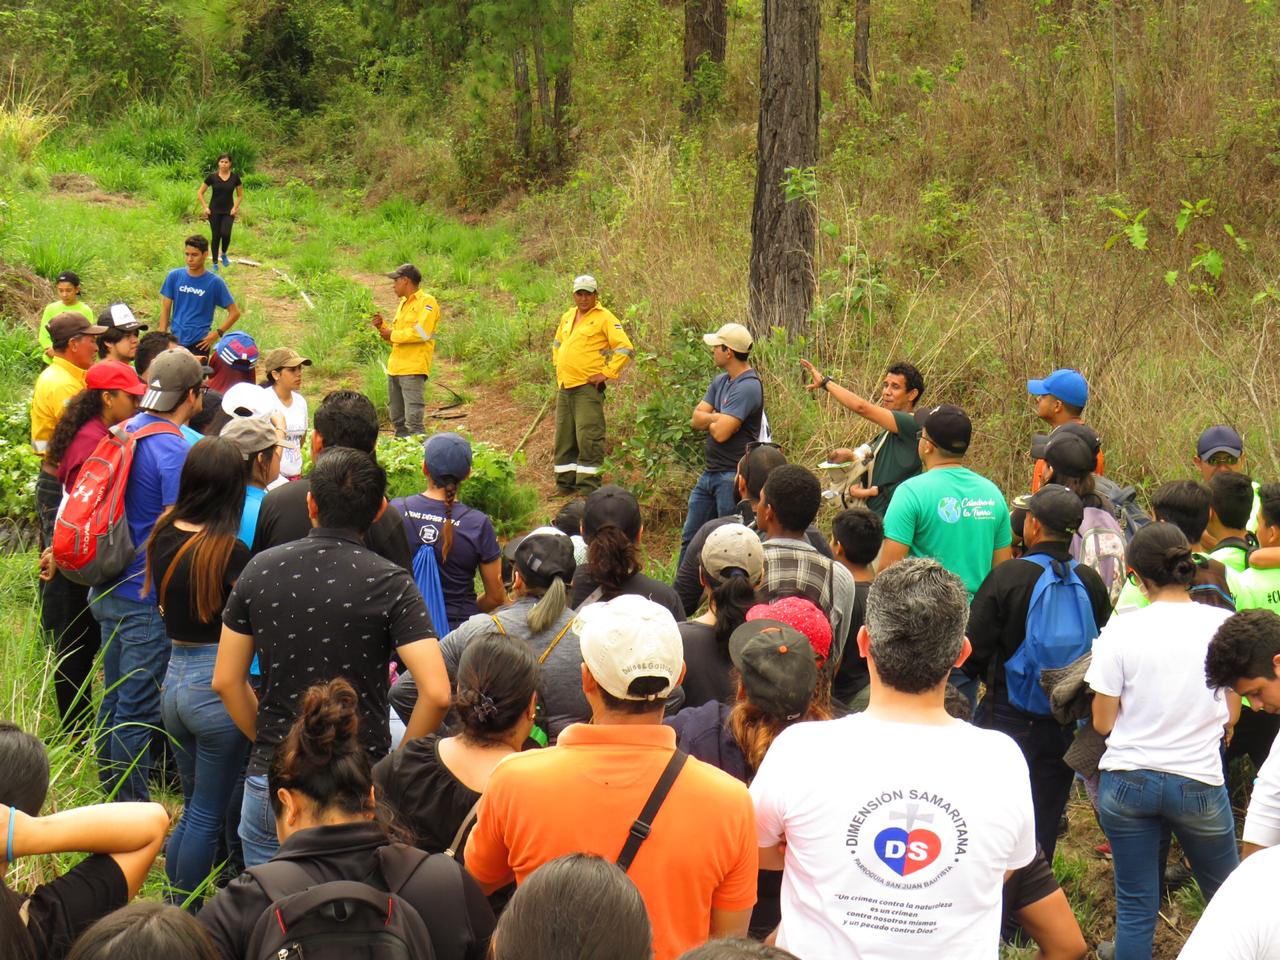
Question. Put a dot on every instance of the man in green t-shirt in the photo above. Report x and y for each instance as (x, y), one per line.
(896, 457)
(949, 513)
(68, 287)
(1231, 500)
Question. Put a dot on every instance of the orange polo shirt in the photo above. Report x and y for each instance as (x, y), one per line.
(583, 795)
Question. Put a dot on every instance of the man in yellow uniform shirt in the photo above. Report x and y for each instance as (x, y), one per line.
(590, 348)
(412, 335)
(75, 347)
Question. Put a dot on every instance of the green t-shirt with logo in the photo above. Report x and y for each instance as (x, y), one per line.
(1131, 597)
(953, 515)
(897, 460)
(1258, 588)
(51, 311)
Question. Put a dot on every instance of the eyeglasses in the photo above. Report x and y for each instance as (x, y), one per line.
(1223, 460)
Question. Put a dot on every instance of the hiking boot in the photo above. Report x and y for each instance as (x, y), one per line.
(1106, 950)
(1102, 850)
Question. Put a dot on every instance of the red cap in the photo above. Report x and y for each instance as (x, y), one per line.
(800, 614)
(114, 375)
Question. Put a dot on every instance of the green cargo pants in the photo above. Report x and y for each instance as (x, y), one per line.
(579, 456)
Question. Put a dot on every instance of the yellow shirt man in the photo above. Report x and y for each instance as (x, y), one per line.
(57, 383)
(596, 344)
(413, 335)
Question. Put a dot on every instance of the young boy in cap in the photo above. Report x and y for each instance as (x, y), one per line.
(412, 335)
(120, 342)
(1059, 398)
(590, 348)
(997, 631)
(68, 287)
(695, 869)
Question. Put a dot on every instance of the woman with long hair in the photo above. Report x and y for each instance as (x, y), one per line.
(612, 527)
(110, 396)
(461, 537)
(282, 378)
(321, 792)
(193, 559)
(222, 208)
(123, 839)
(1162, 770)
(432, 784)
(731, 567)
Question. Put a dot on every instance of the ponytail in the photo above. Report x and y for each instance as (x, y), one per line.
(547, 610)
(321, 756)
(450, 487)
(612, 558)
(1159, 553)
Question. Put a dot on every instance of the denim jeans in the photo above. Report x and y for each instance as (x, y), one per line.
(258, 834)
(211, 753)
(405, 402)
(1136, 807)
(714, 495)
(133, 666)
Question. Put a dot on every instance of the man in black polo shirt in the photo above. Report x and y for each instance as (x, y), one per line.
(322, 607)
(998, 629)
(343, 419)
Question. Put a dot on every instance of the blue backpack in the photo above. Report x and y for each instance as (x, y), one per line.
(1060, 630)
(426, 574)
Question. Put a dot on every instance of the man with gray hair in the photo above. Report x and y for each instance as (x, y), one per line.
(898, 850)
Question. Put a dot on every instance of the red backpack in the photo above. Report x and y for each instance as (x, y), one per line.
(91, 541)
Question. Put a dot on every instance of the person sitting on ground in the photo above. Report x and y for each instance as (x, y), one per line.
(1226, 536)
(732, 568)
(753, 470)
(232, 361)
(143, 930)
(120, 342)
(788, 504)
(67, 286)
(1058, 399)
(150, 346)
(461, 537)
(576, 907)
(432, 784)
(124, 839)
(895, 450)
(873, 845)
(282, 372)
(1162, 769)
(584, 794)
(344, 419)
(194, 559)
(322, 804)
(857, 536)
(612, 527)
(261, 448)
(345, 613)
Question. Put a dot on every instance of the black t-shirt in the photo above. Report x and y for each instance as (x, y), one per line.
(852, 674)
(282, 518)
(424, 794)
(707, 666)
(637, 584)
(58, 912)
(180, 619)
(897, 459)
(323, 607)
(223, 195)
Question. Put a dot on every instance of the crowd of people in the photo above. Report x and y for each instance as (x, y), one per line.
(850, 734)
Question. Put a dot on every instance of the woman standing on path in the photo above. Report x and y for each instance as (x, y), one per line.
(228, 194)
(283, 367)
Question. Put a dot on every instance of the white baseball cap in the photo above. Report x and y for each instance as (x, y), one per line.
(630, 637)
(246, 400)
(584, 282)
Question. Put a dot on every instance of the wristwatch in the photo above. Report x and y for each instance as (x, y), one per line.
(826, 380)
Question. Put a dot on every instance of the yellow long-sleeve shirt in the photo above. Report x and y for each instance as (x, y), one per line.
(413, 335)
(57, 383)
(595, 344)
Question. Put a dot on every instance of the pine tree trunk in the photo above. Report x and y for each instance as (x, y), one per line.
(544, 82)
(862, 46)
(705, 36)
(523, 103)
(783, 233)
(563, 76)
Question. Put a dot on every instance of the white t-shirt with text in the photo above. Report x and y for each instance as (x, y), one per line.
(1241, 922)
(898, 836)
(1169, 720)
(295, 425)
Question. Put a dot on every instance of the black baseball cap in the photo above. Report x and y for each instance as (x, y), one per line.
(611, 506)
(947, 427)
(543, 555)
(68, 276)
(1081, 430)
(1057, 508)
(777, 666)
(1068, 454)
(406, 270)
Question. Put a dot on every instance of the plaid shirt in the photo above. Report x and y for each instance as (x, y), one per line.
(794, 568)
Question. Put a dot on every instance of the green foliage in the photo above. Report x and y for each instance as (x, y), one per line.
(18, 467)
(491, 488)
(242, 144)
(659, 439)
(801, 183)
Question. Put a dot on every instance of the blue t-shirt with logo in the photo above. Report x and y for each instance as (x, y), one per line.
(742, 398)
(194, 301)
(153, 486)
(953, 515)
(474, 543)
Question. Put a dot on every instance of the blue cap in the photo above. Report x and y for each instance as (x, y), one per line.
(447, 455)
(1069, 386)
(1219, 439)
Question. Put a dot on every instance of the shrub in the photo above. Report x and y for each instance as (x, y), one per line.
(18, 467)
(243, 147)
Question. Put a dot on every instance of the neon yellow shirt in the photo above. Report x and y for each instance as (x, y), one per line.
(595, 344)
(413, 335)
(51, 311)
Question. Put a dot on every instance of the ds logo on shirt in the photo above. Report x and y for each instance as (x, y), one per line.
(907, 831)
(905, 850)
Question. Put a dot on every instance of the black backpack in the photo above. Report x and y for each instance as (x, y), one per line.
(346, 919)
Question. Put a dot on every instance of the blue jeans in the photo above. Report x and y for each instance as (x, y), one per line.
(133, 666)
(258, 834)
(1136, 807)
(211, 754)
(714, 495)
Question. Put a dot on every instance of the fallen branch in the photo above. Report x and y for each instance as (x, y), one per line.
(533, 426)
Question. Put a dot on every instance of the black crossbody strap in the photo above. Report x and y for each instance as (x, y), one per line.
(640, 829)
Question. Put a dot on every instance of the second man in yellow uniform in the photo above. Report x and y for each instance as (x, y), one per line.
(412, 335)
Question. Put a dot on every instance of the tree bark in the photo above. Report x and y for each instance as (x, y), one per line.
(783, 233)
(705, 36)
(977, 9)
(862, 46)
(544, 83)
(523, 103)
(564, 89)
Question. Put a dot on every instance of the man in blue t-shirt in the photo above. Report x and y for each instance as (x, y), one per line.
(189, 298)
(731, 413)
(133, 633)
